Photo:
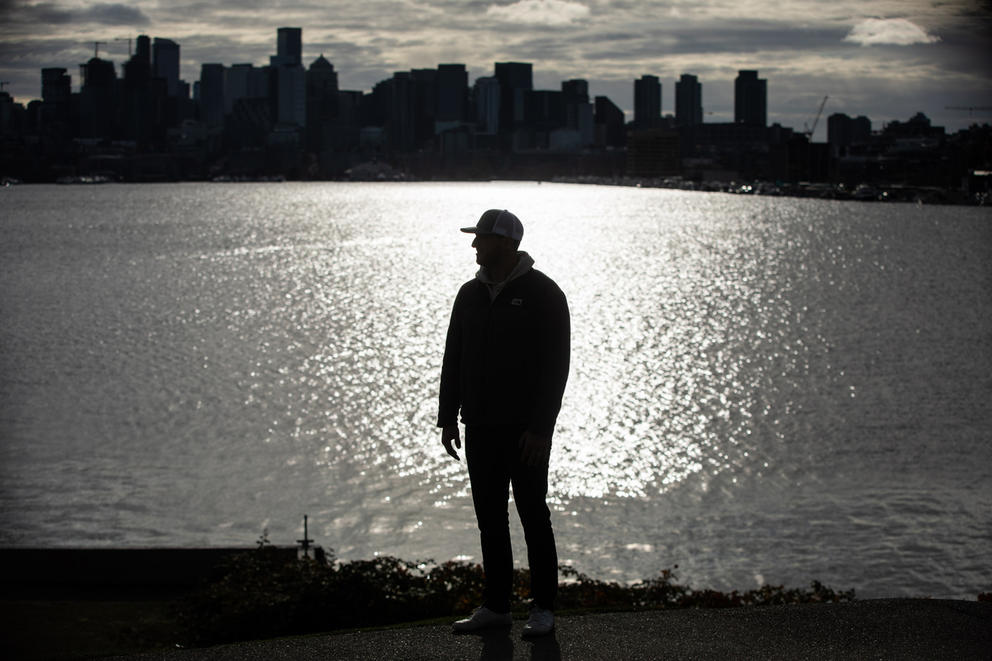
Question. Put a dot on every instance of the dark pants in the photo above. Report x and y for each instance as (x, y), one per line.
(493, 456)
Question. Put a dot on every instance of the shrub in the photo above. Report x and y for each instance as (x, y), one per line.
(261, 594)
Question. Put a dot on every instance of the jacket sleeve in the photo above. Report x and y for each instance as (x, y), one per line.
(554, 339)
(449, 396)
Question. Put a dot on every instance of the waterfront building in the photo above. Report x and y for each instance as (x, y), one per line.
(452, 96)
(322, 103)
(486, 93)
(610, 123)
(514, 78)
(578, 111)
(647, 102)
(287, 79)
(165, 63)
(750, 99)
(98, 99)
(688, 101)
(211, 95)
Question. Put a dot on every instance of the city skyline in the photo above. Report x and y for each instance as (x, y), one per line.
(885, 60)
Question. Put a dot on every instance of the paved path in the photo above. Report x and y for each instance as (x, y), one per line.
(898, 629)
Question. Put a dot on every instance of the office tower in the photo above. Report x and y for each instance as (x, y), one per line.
(609, 123)
(843, 131)
(287, 78)
(514, 78)
(56, 86)
(244, 81)
(290, 86)
(98, 99)
(289, 45)
(688, 101)
(647, 102)
(487, 105)
(143, 48)
(211, 95)
(578, 110)
(165, 63)
(452, 93)
(56, 96)
(750, 99)
(575, 90)
(138, 69)
(322, 104)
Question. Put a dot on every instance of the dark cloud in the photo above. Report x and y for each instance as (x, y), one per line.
(47, 13)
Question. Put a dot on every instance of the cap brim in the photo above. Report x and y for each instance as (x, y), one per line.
(470, 230)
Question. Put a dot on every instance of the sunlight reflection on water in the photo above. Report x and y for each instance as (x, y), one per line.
(754, 381)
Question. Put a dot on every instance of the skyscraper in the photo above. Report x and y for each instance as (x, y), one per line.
(322, 104)
(750, 99)
(452, 93)
(515, 78)
(56, 95)
(56, 86)
(288, 78)
(486, 92)
(212, 94)
(98, 99)
(688, 100)
(289, 45)
(647, 102)
(165, 63)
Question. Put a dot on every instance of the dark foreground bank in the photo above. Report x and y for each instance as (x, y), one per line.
(903, 629)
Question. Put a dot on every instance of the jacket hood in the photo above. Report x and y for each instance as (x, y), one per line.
(524, 264)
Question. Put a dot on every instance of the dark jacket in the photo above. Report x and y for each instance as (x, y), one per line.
(506, 360)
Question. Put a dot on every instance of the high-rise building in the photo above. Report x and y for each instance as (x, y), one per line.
(322, 104)
(56, 95)
(688, 101)
(98, 99)
(452, 93)
(143, 48)
(287, 78)
(750, 99)
(138, 69)
(576, 90)
(486, 94)
(515, 78)
(578, 110)
(289, 45)
(211, 94)
(647, 102)
(56, 86)
(609, 123)
(244, 81)
(843, 131)
(165, 63)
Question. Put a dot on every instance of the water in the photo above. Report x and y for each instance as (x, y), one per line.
(763, 390)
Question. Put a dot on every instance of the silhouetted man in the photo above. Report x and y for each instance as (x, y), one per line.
(505, 366)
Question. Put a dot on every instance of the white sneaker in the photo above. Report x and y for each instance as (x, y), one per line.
(540, 623)
(483, 618)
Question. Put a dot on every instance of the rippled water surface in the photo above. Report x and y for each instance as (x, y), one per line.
(763, 389)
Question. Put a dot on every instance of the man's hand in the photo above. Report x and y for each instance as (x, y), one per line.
(449, 434)
(535, 450)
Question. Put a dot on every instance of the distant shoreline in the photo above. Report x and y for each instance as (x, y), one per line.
(928, 195)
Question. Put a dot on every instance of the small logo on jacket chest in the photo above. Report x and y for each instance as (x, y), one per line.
(517, 302)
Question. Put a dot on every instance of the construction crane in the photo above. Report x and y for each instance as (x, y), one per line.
(810, 131)
(96, 47)
(128, 40)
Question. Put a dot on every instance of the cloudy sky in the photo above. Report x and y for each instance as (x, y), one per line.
(885, 59)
